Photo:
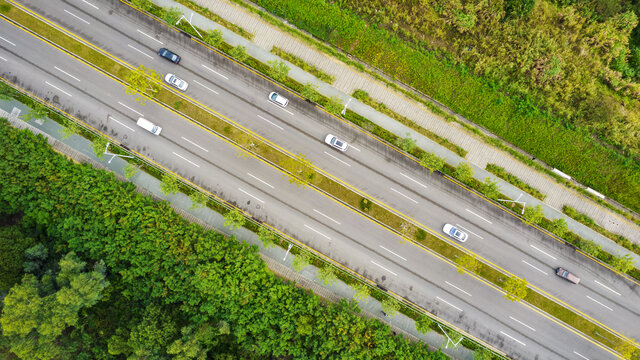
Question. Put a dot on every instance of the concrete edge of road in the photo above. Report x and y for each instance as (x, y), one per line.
(79, 150)
(398, 129)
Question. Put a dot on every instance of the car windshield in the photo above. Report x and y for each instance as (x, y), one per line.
(274, 97)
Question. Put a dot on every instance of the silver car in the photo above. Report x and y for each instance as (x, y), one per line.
(455, 233)
(278, 99)
(334, 142)
(176, 82)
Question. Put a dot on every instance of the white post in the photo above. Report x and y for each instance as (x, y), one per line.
(114, 155)
(344, 111)
(285, 255)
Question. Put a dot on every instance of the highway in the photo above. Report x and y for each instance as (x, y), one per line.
(315, 219)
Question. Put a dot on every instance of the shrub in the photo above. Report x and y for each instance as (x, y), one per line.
(171, 15)
(463, 172)
(334, 105)
(213, 37)
(239, 53)
(432, 162)
(310, 91)
(278, 70)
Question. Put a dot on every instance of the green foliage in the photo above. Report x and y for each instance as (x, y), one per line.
(590, 247)
(407, 143)
(365, 204)
(267, 237)
(423, 324)
(301, 260)
(170, 184)
(491, 189)
(327, 275)
(278, 70)
(516, 288)
(362, 292)
(37, 111)
(463, 172)
(390, 306)
(198, 200)
(300, 170)
(144, 83)
(482, 354)
(171, 15)
(35, 258)
(239, 53)
(468, 263)
(432, 162)
(334, 105)
(192, 344)
(213, 37)
(144, 5)
(624, 263)
(13, 244)
(310, 92)
(559, 227)
(420, 235)
(303, 65)
(4, 8)
(305, 325)
(454, 338)
(518, 8)
(130, 170)
(533, 214)
(99, 145)
(361, 95)
(513, 180)
(70, 128)
(234, 219)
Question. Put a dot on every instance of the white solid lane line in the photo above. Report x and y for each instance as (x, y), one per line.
(512, 338)
(185, 159)
(140, 51)
(114, 119)
(90, 4)
(392, 189)
(7, 41)
(448, 303)
(415, 181)
(543, 252)
(279, 127)
(382, 267)
(469, 231)
(57, 88)
(457, 288)
(206, 87)
(66, 73)
(76, 16)
(337, 159)
(354, 148)
(3, 59)
(334, 220)
(262, 181)
(542, 271)
(393, 253)
(479, 216)
(215, 72)
(194, 144)
(262, 201)
(608, 288)
(316, 231)
(599, 303)
(150, 37)
(139, 113)
(582, 356)
(521, 323)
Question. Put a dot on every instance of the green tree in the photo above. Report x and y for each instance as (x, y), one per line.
(454, 338)
(144, 83)
(390, 306)
(305, 325)
(35, 258)
(362, 292)
(516, 288)
(301, 260)
(171, 15)
(327, 275)
(144, 5)
(151, 335)
(468, 263)
(13, 244)
(267, 237)
(239, 53)
(300, 170)
(170, 184)
(234, 219)
(334, 105)
(193, 343)
(130, 170)
(198, 199)
(491, 189)
(278, 70)
(213, 37)
(518, 8)
(623, 263)
(533, 215)
(464, 172)
(310, 91)
(432, 162)
(37, 110)
(70, 128)
(559, 227)
(423, 324)
(590, 247)
(482, 354)
(407, 143)
(99, 145)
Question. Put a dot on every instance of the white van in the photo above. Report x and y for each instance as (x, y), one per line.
(149, 126)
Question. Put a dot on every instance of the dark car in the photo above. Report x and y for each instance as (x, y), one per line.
(171, 56)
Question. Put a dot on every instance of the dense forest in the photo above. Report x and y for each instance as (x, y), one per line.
(90, 269)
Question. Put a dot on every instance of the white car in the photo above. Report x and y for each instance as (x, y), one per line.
(278, 99)
(455, 233)
(176, 82)
(334, 142)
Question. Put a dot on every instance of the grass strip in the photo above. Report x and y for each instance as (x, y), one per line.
(311, 69)
(513, 180)
(261, 148)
